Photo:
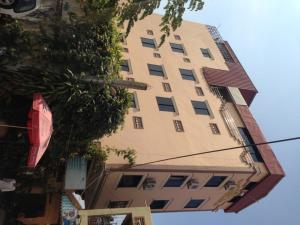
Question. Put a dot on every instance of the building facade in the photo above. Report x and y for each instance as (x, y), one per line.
(198, 100)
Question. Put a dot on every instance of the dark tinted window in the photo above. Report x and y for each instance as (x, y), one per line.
(194, 203)
(250, 186)
(177, 47)
(248, 141)
(24, 5)
(215, 181)
(175, 181)
(235, 199)
(133, 103)
(200, 108)
(165, 104)
(206, 53)
(158, 204)
(187, 74)
(125, 65)
(130, 181)
(156, 70)
(147, 42)
(117, 204)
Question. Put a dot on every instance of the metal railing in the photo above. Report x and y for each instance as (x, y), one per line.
(231, 125)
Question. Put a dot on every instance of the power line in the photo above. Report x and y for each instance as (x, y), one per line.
(217, 150)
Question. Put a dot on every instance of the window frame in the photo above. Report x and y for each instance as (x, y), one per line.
(175, 48)
(136, 122)
(199, 91)
(109, 202)
(130, 175)
(166, 87)
(200, 110)
(214, 128)
(222, 181)
(147, 44)
(186, 76)
(164, 206)
(185, 178)
(150, 32)
(154, 71)
(179, 128)
(206, 53)
(159, 104)
(200, 204)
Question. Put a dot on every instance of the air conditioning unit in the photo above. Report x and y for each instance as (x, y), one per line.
(192, 184)
(230, 185)
(149, 183)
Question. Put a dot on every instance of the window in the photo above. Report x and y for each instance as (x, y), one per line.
(123, 39)
(199, 91)
(187, 74)
(156, 70)
(165, 104)
(215, 181)
(150, 32)
(130, 181)
(175, 181)
(187, 60)
(250, 186)
(138, 122)
(178, 126)
(235, 199)
(177, 48)
(133, 101)
(167, 87)
(147, 42)
(194, 203)
(156, 55)
(224, 51)
(200, 108)
(158, 204)
(214, 128)
(206, 53)
(177, 37)
(130, 79)
(117, 204)
(125, 65)
(125, 50)
(249, 141)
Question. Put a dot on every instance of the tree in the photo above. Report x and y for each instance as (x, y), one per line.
(134, 10)
(62, 61)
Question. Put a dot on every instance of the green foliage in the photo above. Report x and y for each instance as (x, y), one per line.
(101, 154)
(14, 42)
(60, 59)
(133, 10)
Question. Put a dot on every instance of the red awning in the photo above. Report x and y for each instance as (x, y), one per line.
(39, 129)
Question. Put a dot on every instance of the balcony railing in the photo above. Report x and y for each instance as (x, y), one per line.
(231, 125)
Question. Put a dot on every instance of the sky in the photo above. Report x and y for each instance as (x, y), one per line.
(265, 35)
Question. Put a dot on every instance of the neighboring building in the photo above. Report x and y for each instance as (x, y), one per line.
(198, 101)
(120, 216)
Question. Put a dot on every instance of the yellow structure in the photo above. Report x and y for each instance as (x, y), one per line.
(185, 111)
(119, 216)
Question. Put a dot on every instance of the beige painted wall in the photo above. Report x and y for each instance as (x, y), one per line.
(159, 139)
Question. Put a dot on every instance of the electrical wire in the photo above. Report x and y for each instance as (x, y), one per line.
(217, 150)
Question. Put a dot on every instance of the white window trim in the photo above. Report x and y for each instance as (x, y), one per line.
(196, 77)
(209, 110)
(129, 174)
(137, 108)
(162, 186)
(165, 72)
(176, 113)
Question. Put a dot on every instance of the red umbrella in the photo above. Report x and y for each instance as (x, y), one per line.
(39, 129)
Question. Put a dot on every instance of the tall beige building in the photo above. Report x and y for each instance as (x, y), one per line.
(197, 101)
